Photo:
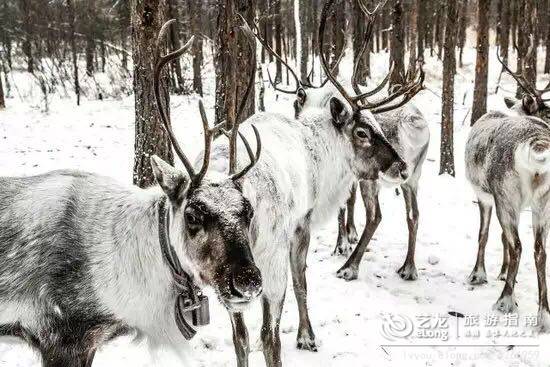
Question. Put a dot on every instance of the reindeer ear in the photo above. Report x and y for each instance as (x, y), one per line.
(510, 102)
(171, 180)
(338, 112)
(530, 105)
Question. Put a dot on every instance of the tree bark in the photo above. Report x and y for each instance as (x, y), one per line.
(71, 11)
(247, 9)
(413, 36)
(479, 107)
(547, 60)
(2, 99)
(173, 13)
(504, 38)
(90, 42)
(225, 62)
(397, 50)
(278, 38)
(147, 17)
(449, 70)
(526, 13)
(28, 29)
(304, 50)
(363, 66)
(463, 24)
(195, 11)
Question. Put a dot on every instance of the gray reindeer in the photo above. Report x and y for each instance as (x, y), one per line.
(508, 165)
(295, 188)
(407, 131)
(84, 259)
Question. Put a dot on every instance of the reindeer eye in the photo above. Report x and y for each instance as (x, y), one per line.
(361, 134)
(192, 220)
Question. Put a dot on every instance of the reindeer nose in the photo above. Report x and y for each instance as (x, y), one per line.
(247, 283)
(398, 170)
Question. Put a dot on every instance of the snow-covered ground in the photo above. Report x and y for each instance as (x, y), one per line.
(357, 323)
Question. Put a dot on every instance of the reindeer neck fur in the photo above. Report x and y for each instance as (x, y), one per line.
(330, 158)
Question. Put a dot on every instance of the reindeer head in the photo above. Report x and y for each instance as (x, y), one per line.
(532, 102)
(210, 217)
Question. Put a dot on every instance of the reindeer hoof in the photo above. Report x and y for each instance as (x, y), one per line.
(477, 277)
(408, 272)
(352, 236)
(506, 305)
(347, 273)
(306, 342)
(543, 321)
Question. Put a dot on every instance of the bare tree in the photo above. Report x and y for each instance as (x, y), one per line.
(462, 25)
(304, 31)
(276, 8)
(413, 35)
(2, 99)
(28, 29)
(147, 17)
(72, 37)
(479, 107)
(195, 11)
(449, 70)
(397, 49)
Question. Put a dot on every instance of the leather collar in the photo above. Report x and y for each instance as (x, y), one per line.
(190, 301)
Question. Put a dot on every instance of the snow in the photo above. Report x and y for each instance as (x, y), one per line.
(356, 323)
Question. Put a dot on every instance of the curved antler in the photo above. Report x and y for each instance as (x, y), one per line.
(359, 102)
(254, 31)
(521, 79)
(161, 61)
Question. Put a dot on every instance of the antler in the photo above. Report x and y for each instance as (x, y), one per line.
(161, 61)
(359, 102)
(521, 79)
(235, 128)
(255, 32)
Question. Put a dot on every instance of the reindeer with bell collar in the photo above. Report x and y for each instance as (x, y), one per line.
(84, 258)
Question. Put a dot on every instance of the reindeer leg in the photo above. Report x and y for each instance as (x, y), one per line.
(298, 256)
(350, 223)
(540, 227)
(408, 270)
(271, 341)
(505, 258)
(240, 338)
(479, 275)
(369, 191)
(508, 218)
(342, 244)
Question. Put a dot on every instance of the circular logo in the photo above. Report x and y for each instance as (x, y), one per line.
(395, 327)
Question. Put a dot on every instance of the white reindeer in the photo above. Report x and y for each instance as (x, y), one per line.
(508, 165)
(84, 259)
(299, 182)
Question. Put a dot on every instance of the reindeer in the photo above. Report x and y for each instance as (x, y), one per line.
(294, 188)
(85, 259)
(407, 131)
(508, 166)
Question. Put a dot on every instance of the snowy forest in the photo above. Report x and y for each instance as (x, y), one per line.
(274, 182)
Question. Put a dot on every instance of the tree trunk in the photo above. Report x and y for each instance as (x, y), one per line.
(479, 107)
(397, 51)
(526, 14)
(338, 34)
(147, 17)
(225, 62)
(71, 11)
(195, 11)
(28, 29)
(505, 30)
(247, 9)
(303, 34)
(421, 26)
(2, 100)
(358, 33)
(463, 24)
(276, 8)
(449, 69)
(413, 36)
